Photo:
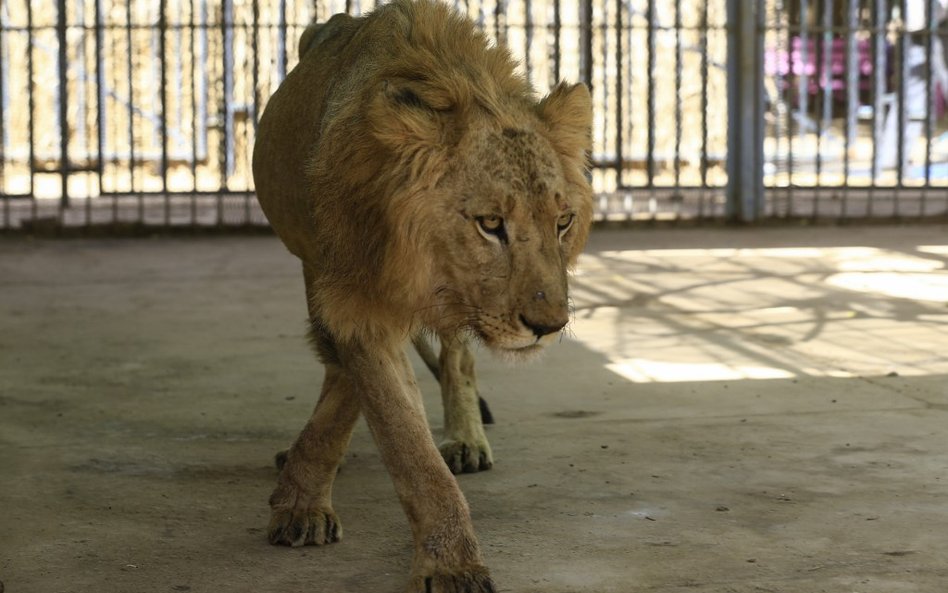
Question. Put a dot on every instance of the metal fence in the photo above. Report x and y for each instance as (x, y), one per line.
(143, 112)
(854, 98)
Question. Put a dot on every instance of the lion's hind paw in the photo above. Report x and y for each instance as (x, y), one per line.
(293, 527)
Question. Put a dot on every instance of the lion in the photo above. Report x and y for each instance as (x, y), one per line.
(426, 191)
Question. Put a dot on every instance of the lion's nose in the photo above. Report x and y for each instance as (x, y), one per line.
(541, 329)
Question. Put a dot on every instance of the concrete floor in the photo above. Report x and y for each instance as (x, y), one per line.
(734, 411)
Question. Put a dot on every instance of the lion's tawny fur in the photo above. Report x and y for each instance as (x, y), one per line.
(423, 187)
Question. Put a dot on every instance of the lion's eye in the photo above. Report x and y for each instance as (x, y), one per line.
(563, 223)
(492, 228)
(491, 224)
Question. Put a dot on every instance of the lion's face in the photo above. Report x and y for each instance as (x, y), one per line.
(490, 206)
(519, 216)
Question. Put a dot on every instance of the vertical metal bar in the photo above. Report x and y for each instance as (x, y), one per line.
(781, 132)
(791, 129)
(878, 94)
(177, 82)
(3, 135)
(650, 42)
(930, 29)
(852, 90)
(163, 102)
(222, 148)
(557, 30)
(227, 34)
(498, 17)
(803, 116)
(826, 80)
(902, 67)
(785, 130)
(630, 55)
(81, 77)
(281, 42)
(745, 137)
(101, 96)
(734, 79)
(131, 108)
(255, 64)
(703, 165)
(585, 42)
(620, 157)
(201, 83)
(83, 80)
(819, 74)
(604, 26)
(502, 8)
(104, 127)
(829, 46)
(31, 107)
(194, 116)
(528, 38)
(678, 114)
(755, 174)
(63, 105)
(803, 100)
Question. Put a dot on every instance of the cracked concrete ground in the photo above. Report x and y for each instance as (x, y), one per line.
(733, 411)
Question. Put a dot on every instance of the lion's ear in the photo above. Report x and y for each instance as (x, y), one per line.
(567, 110)
(406, 114)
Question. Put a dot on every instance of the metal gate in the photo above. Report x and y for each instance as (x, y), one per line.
(142, 112)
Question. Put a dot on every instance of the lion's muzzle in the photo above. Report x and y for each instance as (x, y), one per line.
(542, 329)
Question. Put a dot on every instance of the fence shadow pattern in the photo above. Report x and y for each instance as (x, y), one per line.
(143, 112)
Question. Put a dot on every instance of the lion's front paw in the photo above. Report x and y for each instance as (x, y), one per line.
(296, 527)
(477, 581)
(466, 456)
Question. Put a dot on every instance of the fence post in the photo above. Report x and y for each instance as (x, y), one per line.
(745, 141)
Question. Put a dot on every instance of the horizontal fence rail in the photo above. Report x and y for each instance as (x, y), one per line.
(143, 112)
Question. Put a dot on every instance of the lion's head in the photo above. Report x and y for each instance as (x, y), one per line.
(516, 215)
(498, 198)
(441, 192)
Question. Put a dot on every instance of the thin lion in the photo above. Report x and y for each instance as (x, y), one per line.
(424, 189)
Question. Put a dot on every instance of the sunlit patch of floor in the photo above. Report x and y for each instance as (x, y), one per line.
(662, 315)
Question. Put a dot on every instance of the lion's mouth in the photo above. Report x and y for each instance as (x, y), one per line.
(522, 353)
(513, 347)
(535, 347)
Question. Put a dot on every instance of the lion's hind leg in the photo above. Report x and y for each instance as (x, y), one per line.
(432, 361)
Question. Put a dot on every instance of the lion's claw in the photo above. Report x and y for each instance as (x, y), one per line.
(467, 458)
(465, 582)
(303, 528)
(279, 460)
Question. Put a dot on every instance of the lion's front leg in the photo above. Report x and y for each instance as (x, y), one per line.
(447, 555)
(465, 447)
(301, 505)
